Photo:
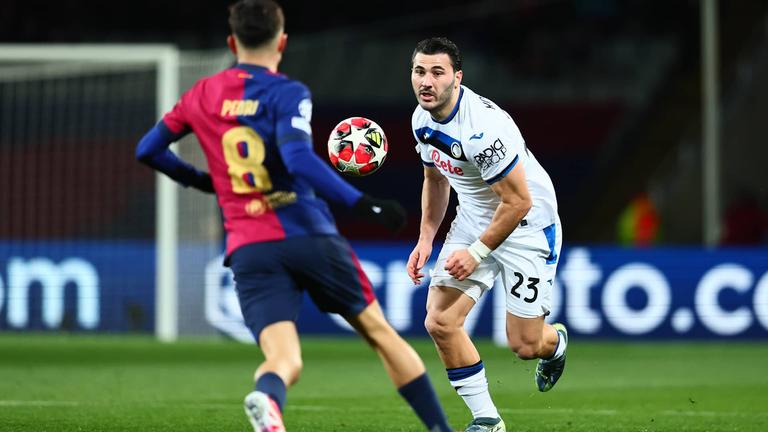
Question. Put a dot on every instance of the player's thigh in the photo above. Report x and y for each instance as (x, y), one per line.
(474, 286)
(265, 289)
(328, 268)
(280, 340)
(447, 306)
(528, 263)
(372, 325)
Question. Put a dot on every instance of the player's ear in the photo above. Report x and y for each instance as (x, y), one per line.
(459, 76)
(281, 44)
(232, 44)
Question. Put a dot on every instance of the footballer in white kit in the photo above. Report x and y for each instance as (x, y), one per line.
(506, 226)
(475, 147)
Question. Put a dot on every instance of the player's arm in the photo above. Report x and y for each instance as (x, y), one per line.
(154, 150)
(515, 204)
(302, 162)
(295, 144)
(435, 193)
(500, 160)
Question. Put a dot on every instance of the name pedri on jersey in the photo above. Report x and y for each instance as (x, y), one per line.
(240, 117)
(476, 146)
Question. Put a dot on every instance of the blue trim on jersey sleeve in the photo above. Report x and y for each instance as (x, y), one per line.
(153, 150)
(439, 140)
(429, 164)
(550, 232)
(302, 162)
(502, 174)
(454, 111)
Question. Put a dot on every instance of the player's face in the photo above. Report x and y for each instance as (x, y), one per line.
(435, 83)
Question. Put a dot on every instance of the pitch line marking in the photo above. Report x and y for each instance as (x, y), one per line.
(301, 407)
(41, 403)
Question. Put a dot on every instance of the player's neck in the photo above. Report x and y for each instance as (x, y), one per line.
(259, 58)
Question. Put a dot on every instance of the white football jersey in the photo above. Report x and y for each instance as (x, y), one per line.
(476, 146)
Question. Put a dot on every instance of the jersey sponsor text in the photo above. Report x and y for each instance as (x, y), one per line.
(491, 155)
(445, 165)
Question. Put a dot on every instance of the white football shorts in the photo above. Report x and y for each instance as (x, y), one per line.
(527, 262)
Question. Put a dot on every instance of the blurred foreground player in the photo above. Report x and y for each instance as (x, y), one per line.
(254, 126)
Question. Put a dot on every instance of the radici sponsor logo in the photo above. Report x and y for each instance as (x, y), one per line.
(23, 275)
(593, 296)
(491, 155)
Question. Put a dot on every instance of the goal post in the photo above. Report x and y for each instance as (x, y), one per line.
(165, 59)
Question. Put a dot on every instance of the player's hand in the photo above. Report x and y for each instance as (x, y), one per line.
(382, 211)
(460, 264)
(416, 261)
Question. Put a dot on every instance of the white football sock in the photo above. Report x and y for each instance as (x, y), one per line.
(560, 348)
(470, 383)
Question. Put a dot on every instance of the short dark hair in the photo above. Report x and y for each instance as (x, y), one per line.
(439, 45)
(255, 22)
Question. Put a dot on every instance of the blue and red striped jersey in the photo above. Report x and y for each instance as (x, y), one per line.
(248, 121)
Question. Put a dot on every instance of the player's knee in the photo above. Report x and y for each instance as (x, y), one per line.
(292, 367)
(439, 325)
(376, 331)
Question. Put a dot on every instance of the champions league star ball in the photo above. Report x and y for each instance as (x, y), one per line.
(357, 146)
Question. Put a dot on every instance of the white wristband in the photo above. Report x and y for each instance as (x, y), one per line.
(478, 250)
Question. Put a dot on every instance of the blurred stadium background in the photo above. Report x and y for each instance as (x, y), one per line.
(661, 183)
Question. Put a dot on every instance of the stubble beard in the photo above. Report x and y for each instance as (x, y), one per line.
(442, 100)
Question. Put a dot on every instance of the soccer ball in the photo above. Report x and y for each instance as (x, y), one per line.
(357, 146)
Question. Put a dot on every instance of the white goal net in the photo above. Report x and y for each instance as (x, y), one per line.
(77, 210)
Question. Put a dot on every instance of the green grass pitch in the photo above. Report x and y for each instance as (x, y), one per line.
(98, 383)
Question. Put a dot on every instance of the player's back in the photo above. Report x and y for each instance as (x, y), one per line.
(240, 116)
